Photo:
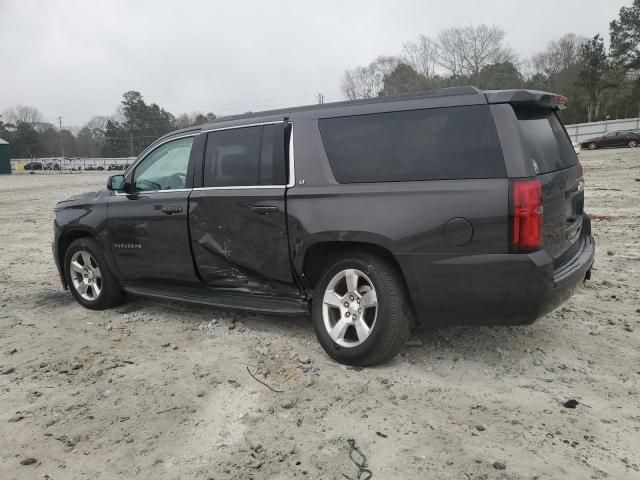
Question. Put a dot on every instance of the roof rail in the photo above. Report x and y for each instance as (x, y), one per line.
(443, 92)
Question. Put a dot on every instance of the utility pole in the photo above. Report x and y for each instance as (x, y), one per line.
(320, 99)
(61, 144)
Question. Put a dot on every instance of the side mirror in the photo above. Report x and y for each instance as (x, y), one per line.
(116, 182)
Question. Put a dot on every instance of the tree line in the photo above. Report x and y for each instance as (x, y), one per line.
(600, 84)
(126, 134)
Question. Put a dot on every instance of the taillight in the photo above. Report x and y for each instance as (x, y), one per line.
(527, 215)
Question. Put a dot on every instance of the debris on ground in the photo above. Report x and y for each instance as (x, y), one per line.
(571, 403)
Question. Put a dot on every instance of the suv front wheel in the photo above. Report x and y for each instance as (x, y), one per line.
(361, 311)
(88, 276)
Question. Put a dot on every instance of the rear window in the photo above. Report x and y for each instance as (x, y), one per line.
(545, 140)
(434, 144)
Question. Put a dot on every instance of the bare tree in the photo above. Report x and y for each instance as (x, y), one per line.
(195, 118)
(184, 120)
(98, 123)
(24, 114)
(559, 55)
(422, 55)
(465, 50)
(368, 82)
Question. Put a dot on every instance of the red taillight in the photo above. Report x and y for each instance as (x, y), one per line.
(527, 215)
(560, 100)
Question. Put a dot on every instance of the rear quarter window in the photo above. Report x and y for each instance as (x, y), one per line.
(433, 144)
(545, 141)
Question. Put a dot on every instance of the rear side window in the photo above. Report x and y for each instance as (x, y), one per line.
(434, 144)
(545, 141)
(248, 156)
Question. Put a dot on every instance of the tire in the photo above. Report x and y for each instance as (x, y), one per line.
(103, 290)
(632, 144)
(388, 324)
(593, 146)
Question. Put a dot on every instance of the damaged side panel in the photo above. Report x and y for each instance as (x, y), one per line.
(239, 239)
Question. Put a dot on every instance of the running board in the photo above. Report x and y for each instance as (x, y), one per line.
(220, 298)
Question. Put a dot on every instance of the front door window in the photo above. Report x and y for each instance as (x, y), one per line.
(165, 168)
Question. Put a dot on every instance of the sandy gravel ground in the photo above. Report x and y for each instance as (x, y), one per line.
(161, 391)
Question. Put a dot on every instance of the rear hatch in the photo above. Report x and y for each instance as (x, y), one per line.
(550, 151)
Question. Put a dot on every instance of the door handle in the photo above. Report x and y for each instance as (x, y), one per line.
(171, 210)
(264, 209)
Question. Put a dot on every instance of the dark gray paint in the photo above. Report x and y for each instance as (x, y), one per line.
(221, 244)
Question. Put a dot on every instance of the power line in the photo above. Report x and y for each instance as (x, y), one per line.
(61, 144)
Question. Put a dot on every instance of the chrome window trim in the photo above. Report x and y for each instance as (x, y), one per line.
(275, 122)
(292, 170)
(292, 163)
(145, 192)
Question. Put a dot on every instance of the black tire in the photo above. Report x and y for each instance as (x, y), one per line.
(110, 293)
(394, 314)
(632, 144)
(593, 146)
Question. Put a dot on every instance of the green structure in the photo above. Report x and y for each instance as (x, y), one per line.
(5, 164)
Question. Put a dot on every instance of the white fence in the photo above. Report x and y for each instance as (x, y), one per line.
(583, 131)
(70, 164)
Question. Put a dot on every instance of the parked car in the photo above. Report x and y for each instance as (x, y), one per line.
(619, 138)
(33, 166)
(449, 207)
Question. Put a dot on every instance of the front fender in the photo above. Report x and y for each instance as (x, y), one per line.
(76, 218)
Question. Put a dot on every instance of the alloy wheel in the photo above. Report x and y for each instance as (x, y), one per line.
(85, 275)
(349, 308)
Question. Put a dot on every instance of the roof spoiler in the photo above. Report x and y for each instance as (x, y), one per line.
(527, 97)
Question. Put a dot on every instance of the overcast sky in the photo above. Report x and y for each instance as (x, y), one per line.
(76, 58)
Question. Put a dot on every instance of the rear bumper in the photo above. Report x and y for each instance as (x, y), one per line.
(492, 289)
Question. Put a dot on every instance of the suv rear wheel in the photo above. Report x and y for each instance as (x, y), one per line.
(88, 276)
(632, 144)
(361, 311)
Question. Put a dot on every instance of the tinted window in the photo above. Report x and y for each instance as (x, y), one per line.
(244, 157)
(272, 160)
(545, 141)
(165, 168)
(435, 144)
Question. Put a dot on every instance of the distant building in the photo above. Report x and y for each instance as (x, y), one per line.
(5, 164)
(633, 74)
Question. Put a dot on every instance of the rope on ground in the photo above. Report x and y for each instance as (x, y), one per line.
(260, 381)
(361, 461)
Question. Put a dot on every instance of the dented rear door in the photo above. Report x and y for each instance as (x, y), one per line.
(237, 218)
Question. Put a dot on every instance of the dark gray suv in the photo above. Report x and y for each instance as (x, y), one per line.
(450, 207)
